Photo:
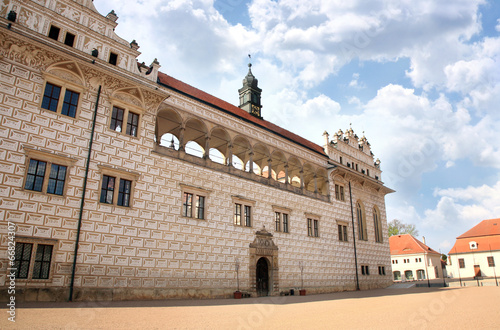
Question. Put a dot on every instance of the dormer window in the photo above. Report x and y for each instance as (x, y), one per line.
(113, 58)
(54, 32)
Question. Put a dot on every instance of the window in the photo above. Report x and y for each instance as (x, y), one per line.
(312, 227)
(193, 202)
(242, 211)
(118, 180)
(362, 232)
(281, 221)
(342, 232)
(491, 262)
(113, 58)
(54, 32)
(377, 225)
(33, 260)
(381, 270)
(365, 270)
(461, 263)
(119, 116)
(69, 39)
(339, 192)
(46, 172)
(52, 95)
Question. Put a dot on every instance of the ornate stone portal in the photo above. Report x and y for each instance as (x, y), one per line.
(264, 270)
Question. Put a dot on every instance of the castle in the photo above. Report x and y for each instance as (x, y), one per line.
(118, 181)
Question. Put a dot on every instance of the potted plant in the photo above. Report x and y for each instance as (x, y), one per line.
(302, 291)
(237, 293)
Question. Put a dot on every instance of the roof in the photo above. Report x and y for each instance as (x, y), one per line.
(407, 244)
(204, 97)
(484, 228)
(486, 234)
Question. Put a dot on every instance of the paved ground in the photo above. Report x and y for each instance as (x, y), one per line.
(414, 308)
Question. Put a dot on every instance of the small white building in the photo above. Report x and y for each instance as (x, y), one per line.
(475, 252)
(413, 260)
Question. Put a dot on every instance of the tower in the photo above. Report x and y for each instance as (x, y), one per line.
(250, 94)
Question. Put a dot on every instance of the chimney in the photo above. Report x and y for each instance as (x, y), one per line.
(423, 239)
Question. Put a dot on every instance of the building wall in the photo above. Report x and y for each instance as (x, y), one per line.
(149, 250)
(414, 263)
(470, 260)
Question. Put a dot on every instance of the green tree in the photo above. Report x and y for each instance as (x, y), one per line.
(397, 227)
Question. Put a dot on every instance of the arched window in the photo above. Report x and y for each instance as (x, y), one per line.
(377, 225)
(362, 233)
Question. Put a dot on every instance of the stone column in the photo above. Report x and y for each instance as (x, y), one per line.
(301, 179)
(181, 139)
(206, 154)
(269, 170)
(315, 184)
(250, 169)
(286, 174)
(229, 155)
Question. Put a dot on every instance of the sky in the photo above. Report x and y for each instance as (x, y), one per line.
(420, 79)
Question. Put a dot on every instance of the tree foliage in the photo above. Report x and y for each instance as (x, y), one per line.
(397, 227)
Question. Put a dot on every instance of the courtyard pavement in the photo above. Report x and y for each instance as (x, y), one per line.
(413, 308)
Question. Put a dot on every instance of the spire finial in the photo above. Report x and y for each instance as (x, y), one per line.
(249, 60)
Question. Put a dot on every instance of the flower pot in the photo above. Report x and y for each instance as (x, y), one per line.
(302, 292)
(237, 294)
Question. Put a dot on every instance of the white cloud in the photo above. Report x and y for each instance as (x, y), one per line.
(497, 27)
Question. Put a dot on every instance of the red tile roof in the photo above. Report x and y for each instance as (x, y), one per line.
(193, 92)
(484, 228)
(407, 244)
(486, 234)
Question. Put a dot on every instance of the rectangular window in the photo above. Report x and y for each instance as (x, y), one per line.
(341, 160)
(113, 58)
(43, 257)
(69, 39)
(124, 192)
(381, 270)
(342, 233)
(237, 214)
(491, 262)
(363, 270)
(117, 119)
(309, 227)
(51, 96)
(41, 254)
(316, 228)
(339, 192)
(277, 221)
(36, 175)
(285, 223)
(57, 178)
(461, 263)
(70, 103)
(248, 215)
(132, 123)
(54, 32)
(188, 205)
(200, 207)
(22, 259)
(107, 189)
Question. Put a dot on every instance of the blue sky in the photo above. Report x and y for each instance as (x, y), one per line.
(420, 78)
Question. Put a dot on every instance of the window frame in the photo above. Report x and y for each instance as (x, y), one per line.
(119, 175)
(362, 229)
(284, 219)
(377, 225)
(342, 231)
(50, 159)
(128, 109)
(36, 242)
(491, 261)
(65, 86)
(246, 205)
(461, 263)
(312, 221)
(196, 193)
(381, 270)
(340, 192)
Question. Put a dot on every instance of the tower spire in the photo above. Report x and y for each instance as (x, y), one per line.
(250, 93)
